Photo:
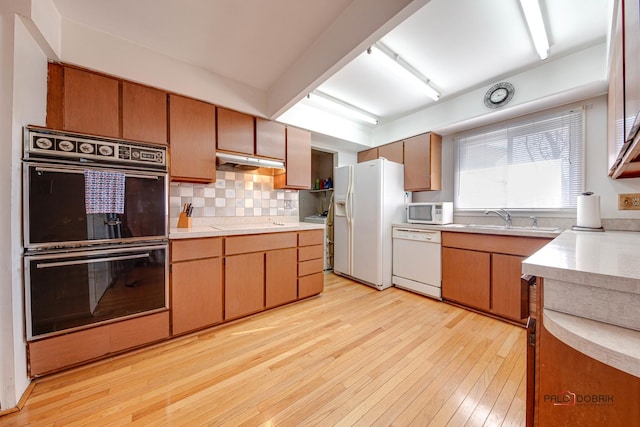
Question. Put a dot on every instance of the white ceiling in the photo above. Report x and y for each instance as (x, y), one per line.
(459, 45)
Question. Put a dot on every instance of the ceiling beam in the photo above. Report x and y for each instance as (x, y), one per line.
(361, 24)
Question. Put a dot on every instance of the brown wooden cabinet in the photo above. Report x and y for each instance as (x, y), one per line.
(83, 101)
(63, 351)
(366, 155)
(144, 113)
(196, 284)
(236, 131)
(270, 139)
(281, 280)
(244, 285)
(483, 271)
(394, 152)
(192, 137)
(310, 263)
(298, 161)
(423, 162)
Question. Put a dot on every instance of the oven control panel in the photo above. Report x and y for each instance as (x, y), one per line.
(39, 143)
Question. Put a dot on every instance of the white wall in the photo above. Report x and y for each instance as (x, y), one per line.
(24, 88)
(596, 179)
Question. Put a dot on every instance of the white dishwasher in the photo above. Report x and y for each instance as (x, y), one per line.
(417, 261)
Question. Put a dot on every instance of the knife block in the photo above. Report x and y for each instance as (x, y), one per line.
(184, 221)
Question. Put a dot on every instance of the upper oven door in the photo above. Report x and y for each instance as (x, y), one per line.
(55, 210)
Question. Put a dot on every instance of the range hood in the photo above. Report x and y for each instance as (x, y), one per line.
(247, 162)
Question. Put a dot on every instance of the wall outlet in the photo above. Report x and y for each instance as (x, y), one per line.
(629, 201)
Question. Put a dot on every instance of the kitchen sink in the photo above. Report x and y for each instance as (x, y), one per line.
(516, 228)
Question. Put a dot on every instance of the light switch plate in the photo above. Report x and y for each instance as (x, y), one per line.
(629, 201)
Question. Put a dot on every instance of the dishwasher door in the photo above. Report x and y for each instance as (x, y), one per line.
(417, 261)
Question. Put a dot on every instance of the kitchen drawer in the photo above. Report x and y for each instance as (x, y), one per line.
(309, 267)
(512, 245)
(310, 285)
(306, 253)
(188, 249)
(312, 237)
(259, 242)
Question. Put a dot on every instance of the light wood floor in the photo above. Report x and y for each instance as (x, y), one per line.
(352, 356)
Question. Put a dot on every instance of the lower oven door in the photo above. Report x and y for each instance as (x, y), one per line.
(75, 290)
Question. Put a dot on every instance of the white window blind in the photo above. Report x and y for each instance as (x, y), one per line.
(532, 164)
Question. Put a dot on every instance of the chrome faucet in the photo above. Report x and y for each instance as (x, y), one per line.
(502, 213)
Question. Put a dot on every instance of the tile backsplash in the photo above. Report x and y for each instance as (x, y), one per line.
(234, 194)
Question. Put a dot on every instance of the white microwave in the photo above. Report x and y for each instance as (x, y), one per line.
(430, 213)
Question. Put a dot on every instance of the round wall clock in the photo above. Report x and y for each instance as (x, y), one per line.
(499, 94)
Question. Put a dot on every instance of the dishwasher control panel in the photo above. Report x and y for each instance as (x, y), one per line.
(433, 236)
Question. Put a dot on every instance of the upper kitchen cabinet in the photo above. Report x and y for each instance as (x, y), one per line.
(83, 101)
(270, 139)
(422, 162)
(144, 113)
(366, 155)
(192, 137)
(236, 131)
(624, 93)
(394, 152)
(298, 161)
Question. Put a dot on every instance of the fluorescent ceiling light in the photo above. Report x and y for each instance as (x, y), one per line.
(533, 15)
(341, 107)
(400, 67)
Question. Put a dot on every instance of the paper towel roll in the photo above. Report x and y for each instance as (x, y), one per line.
(589, 211)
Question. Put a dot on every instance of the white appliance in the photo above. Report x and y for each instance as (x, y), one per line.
(320, 219)
(417, 261)
(368, 198)
(430, 213)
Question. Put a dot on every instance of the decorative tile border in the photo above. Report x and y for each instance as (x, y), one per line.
(234, 194)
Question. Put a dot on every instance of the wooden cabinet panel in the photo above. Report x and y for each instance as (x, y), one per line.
(310, 285)
(507, 293)
(236, 131)
(366, 155)
(596, 394)
(309, 267)
(393, 152)
(144, 113)
(58, 352)
(466, 276)
(244, 284)
(270, 139)
(192, 136)
(310, 252)
(187, 249)
(311, 237)
(139, 331)
(298, 161)
(281, 284)
(196, 294)
(91, 103)
(423, 162)
(259, 242)
(513, 245)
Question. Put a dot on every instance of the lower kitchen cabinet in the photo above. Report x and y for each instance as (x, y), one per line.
(483, 272)
(310, 263)
(63, 351)
(466, 277)
(244, 284)
(281, 281)
(196, 284)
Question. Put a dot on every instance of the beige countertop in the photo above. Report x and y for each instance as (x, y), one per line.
(234, 229)
(548, 232)
(593, 298)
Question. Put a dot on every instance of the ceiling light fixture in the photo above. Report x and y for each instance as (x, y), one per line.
(533, 15)
(341, 107)
(397, 64)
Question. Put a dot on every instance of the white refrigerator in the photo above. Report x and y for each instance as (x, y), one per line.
(368, 198)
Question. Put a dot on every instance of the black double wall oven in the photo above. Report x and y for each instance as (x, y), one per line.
(95, 230)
